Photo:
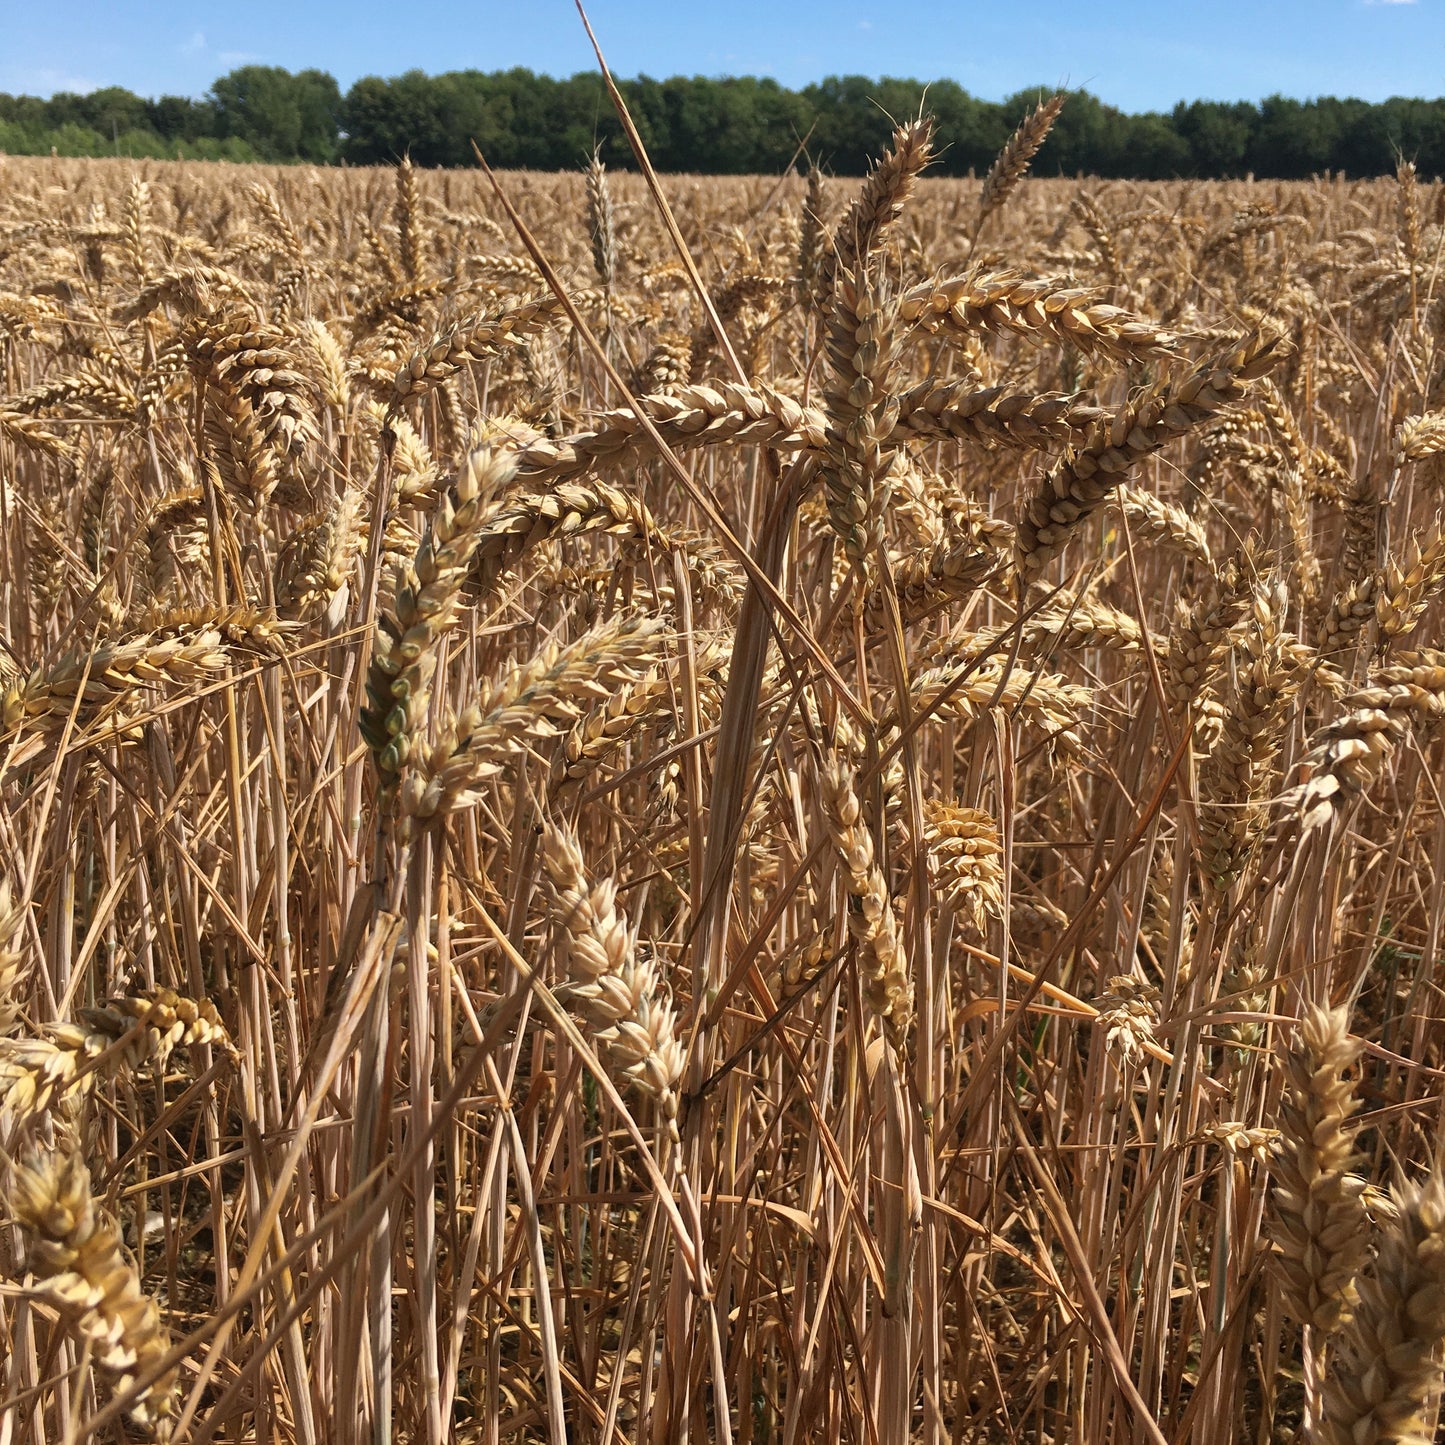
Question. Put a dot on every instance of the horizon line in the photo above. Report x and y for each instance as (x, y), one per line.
(725, 76)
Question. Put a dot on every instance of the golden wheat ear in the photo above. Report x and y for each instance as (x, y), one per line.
(601, 221)
(872, 919)
(877, 206)
(1388, 1371)
(1013, 161)
(1320, 1226)
(81, 1266)
(615, 985)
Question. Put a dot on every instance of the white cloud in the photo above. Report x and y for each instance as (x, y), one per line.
(236, 57)
(194, 45)
(865, 24)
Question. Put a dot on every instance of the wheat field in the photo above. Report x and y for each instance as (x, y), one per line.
(812, 816)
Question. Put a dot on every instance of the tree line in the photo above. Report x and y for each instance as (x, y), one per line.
(722, 126)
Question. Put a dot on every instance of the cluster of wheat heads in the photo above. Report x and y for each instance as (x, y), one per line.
(834, 838)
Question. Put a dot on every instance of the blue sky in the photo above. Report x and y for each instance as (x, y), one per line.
(1132, 53)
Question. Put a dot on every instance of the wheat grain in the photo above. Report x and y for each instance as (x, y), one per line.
(83, 1270)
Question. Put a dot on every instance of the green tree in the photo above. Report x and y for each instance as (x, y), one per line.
(1089, 137)
(279, 115)
(851, 129)
(1155, 150)
(1294, 139)
(387, 119)
(177, 117)
(700, 124)
(1217, 134)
